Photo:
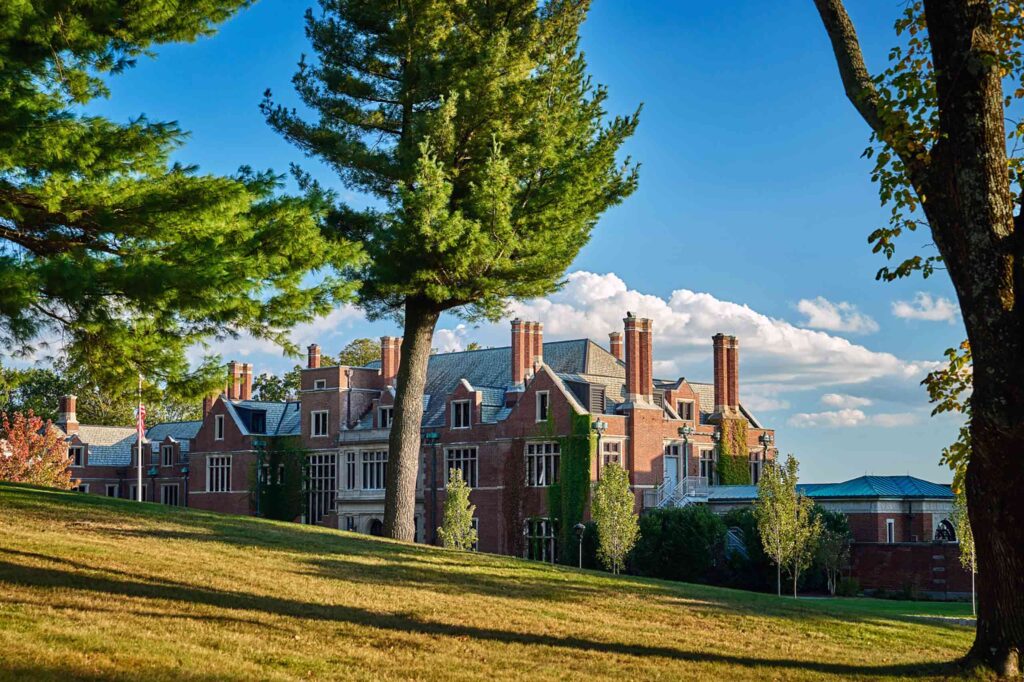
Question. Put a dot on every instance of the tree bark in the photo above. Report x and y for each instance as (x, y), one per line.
(404, 441)
(778, 580)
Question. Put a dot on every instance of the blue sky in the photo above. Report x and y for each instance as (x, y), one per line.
(751, 218)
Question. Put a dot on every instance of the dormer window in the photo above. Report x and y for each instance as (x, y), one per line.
(386, 415)
(684, 408)
(319, 384)
(542, 406)
(460, 414)
(167, 455)
(76, 453)
(218, 427)
(258, 422)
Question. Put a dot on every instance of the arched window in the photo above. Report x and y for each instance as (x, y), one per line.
(945, 532)
(377, 527)
(756, 465)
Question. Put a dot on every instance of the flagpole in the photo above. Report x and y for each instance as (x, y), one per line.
(138, 431)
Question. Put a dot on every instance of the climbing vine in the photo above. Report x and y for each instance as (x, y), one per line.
(567, 500)
(733, 459)
(278, 491)
(515, 492)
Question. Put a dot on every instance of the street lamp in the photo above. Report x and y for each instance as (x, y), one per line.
(766, 440)
(153, 473)
(348, 402)
(685, 432)
(599, 426)
(717, 438)
(580, 530)
(184, 474)
(432, 437)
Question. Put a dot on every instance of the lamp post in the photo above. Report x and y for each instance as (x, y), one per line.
(716, 437)
(432, 437)
(599, 426)
(580, 530)
(348, 403)
(153, 473)
(184, 474)
(685, 432)
(766, 440)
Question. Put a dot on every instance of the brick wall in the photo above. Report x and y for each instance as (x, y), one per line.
(931, 568)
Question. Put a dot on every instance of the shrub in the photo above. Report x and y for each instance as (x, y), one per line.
(755, 571)
(679, 544)
(847, 587)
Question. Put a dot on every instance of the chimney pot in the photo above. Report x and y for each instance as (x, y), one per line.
(390, 357)
(234, 379)
(639, 358)
(313, 356)
(245, 387)
(67, 418)
(615, 345)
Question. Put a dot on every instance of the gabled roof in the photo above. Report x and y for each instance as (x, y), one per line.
(282, 419)
(863, 487)
(108, 445)
(179, 431)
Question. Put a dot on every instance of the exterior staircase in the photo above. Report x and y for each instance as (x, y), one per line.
(689, 490)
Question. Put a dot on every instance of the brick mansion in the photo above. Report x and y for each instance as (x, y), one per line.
(502, 416)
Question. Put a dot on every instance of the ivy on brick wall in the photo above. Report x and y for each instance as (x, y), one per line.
(278, 493)
(567, 500)
(512, 502)
(733, 458)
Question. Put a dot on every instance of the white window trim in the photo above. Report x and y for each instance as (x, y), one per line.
(890, 531)
(219, 429)
(469, 414)
(312, 423)
(380, 416)
(177, 495)
(693, 409)
(164, 460)
(108, 487)
(547, 405)
(209, 459)
(319, 384)
(82, 488)
(80, 448)
(475, 458)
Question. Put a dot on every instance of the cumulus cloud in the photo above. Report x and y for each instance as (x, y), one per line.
(849, 418)
(926, 307)
(451, 340)
(844, 400)
(821, 313)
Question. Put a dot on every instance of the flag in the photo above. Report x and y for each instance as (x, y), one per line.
(140, 418)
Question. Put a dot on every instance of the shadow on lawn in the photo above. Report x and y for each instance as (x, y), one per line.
(121, 584)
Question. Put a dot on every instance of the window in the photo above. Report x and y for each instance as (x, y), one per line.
(611, 452)
(112, 490)
(541, 540)
(387, 415)
(542, 464)
(476, 527)
(756, 462)
(707, 466)
(323, 486)
(218, 474)
(319, 383)
(350, 523)
(218, 427)
(167, 455)
(76, 453)
(318, 423)
(945, 532)
(685, 410)
(460, 414)
(463, 459)
(258, 421)
(169, 494)
(375, 469)
(350, 471)
(134, 493)
(82, 488)
(890, 531)
(542, 406)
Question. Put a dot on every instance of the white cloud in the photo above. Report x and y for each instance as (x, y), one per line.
(893, 420)
(926, 307)
(844, 400)
(835, 418)
(450, 340)
(822, 313)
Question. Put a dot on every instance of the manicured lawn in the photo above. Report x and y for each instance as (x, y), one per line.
(107, 589)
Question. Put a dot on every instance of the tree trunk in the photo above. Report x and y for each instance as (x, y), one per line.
(795, 576)
(778, 580)
(970, 208)
(404, 441)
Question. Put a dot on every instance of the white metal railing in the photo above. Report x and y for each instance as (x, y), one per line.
(672, 494)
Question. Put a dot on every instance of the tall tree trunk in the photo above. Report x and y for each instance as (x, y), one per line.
(778, 579)
(404, 442)
(795, 576)
(970, 208)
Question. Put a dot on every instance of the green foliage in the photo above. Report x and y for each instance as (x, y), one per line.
(964, 535)
(950, 389)
(456, 531)
(733, 458)
(755, 571)
(847, 587)
(356, 353)
(276, 388)
(832, 550)
(567, 499)
(789, 531)
(614, 516)
(280, 485)
(679, 543)
(130, 258)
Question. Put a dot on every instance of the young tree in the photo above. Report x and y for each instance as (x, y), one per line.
(129, 258)
(33, 451)
(457, 531)
(775, 510)
(965, 538)
(937, 120)
(833, 547)
(806, 531)
(476, 127)
(612, 508)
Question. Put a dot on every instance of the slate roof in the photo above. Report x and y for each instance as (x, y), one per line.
(183, 432)
(282, 419)
(108, 445)
(863, 487)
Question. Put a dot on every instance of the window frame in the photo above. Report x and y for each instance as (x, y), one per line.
(313, 415)
(374, 469)
(890, 531)
(112, 486)
(605, 442)
(388, 410)
(319, 384)
(537, 463)
(542, 407)
(222, 464)
(463, 461)
(80, 449)
(219, 427)
(457, 411)
(164, 487)
(351, 470)
(690, 404)
(165, 450)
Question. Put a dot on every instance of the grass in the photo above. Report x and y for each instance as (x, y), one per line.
(93, 588)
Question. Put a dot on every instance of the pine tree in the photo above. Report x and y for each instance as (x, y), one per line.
(131, 259)
(618, 527)
(457, 531)
(476, 130)
(33, 451)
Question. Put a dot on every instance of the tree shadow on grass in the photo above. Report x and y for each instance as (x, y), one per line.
(39, 577)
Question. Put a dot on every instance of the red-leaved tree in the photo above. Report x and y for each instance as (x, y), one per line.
(33, 451)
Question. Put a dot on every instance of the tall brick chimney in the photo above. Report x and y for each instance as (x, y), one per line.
(390, 356)
(521, 348)
(615, 344)
(727, 374)
(313, 356)
(66, 417)
(537, 341)
(732, 370)
(639, 385)
(234, 379)
(208, 402)
(245, 387)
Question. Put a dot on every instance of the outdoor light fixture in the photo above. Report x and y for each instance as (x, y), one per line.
(599, 426)
(580, 530)
(432, 438)
(685, 432)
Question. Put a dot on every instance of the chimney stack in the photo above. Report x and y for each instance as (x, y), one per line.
(313, 356)
(234, 379)
(615, 345)
(639, 358)
(727, 373)
(245, 389)
(208, 402)
(537, 341)
(66, 417)
(732, 367)
(520, 350)
(390, 356)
